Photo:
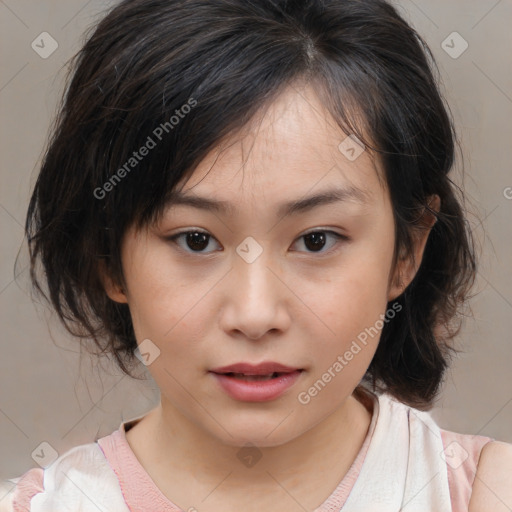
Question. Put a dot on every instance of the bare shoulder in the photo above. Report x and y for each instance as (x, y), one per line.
(492, 488)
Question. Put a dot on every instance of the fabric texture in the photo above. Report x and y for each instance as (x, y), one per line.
(406, 463)
(403, 469)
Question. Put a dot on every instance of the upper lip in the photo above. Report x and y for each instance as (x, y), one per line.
(264, 368)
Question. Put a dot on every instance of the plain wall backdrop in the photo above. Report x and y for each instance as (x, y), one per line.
(47, 394)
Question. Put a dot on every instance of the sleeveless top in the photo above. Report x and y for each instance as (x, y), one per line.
(406, 463)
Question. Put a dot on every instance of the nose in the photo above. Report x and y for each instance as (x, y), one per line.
(256, 299)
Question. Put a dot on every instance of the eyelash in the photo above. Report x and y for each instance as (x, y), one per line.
(338, 236)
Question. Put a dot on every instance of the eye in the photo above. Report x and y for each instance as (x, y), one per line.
(315, 240)
(197, 240)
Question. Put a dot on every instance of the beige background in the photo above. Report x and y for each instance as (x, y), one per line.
(46, 394)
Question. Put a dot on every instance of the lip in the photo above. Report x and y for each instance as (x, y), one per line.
(256, 390)
(263, 368)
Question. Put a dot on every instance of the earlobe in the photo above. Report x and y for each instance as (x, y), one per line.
(397, 286)
(407, 268)
(115, 292)
(428, 219)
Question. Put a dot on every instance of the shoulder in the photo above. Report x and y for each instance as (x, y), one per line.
(6, 492)
(16, 493)
(80, 477)
(492, 487)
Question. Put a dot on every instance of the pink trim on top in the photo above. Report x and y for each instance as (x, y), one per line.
(139, 491)
(142, 494)
(462, 452)
(29, 484)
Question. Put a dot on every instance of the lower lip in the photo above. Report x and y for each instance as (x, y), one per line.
(257, 391)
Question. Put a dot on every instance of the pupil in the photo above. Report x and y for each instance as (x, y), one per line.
(199, 243)
(318, 240)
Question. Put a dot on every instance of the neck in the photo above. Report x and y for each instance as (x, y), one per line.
(178, 447)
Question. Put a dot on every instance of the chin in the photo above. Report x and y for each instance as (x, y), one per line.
(263, 434)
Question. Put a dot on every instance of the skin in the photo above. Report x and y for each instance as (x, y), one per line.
(293, 305)
(492, 489)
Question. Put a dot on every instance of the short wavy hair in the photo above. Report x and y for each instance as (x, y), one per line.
(146, 59)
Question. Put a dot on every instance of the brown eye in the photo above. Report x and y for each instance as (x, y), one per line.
(196, 241)
(315, 241)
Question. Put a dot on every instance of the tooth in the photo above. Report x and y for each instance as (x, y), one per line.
(250, 378)
(257, 377)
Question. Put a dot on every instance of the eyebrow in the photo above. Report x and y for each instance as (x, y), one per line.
(302, 205)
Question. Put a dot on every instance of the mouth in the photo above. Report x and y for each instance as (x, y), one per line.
(266, 369)
(261, 383)
(254, 378)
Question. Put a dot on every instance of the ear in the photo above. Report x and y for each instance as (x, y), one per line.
(407, 268)
(114, 291)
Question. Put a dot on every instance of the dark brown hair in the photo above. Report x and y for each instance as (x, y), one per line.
(226, 60)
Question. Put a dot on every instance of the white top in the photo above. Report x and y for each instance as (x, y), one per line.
(403, 471)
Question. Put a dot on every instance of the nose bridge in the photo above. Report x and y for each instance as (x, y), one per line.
(252, 272)
(255, 295)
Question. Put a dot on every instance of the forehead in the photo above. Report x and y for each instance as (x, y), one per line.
(291, 149)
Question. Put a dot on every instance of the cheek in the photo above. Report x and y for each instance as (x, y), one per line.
(169, 314)
(159, 296)
(352, 300)
(351, 310)
(168, 319)
(351, 307)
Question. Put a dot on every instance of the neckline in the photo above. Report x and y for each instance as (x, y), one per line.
(141, 492)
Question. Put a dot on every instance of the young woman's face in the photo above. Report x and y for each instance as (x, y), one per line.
(260, 287)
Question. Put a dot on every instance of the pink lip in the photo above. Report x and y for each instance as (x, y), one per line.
(256, 391)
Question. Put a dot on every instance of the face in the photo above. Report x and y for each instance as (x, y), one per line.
(306, 288)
